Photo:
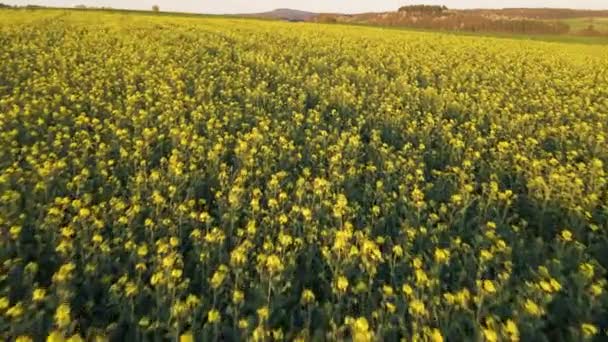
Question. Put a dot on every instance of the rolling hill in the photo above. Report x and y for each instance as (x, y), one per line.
(511, 21)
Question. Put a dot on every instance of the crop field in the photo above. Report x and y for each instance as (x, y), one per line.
(215, 179)
(599, 24)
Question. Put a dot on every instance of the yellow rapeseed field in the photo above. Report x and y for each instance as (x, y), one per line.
(216, 179)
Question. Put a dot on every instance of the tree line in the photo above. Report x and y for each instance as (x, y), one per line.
(423, 9)
(453, 22)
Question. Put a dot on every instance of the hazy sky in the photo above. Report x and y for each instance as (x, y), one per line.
(344, 6)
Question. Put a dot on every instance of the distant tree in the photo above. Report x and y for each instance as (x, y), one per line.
(81, 6)
(5, 6)
(589, 31)
(423, 9)
(155, 8)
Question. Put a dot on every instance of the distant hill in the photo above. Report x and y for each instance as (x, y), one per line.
(285, 14)
(541, 13)
(509, 20)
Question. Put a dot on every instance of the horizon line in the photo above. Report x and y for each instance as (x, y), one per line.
(300, 10)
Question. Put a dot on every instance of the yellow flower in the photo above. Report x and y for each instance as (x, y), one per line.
(176, 274)
(24, 339)
(260, 334)
(186, 337)
(462, 297)
(15, 311)
(488, 286)
(251, 228)
(490, 335)
(449, 297)
(596, 290)
(555, 284)
(417, 308)
(142, 250)
(511, 330)
(131, 289)
(421, 278)
(218, 276)
(342, 283)
(274, 264)
(97, 238)
(545, 286)
(263, 313)
(4, 303)
(55, 336)
(587, 270)
(84, 212)
(75, 338)
(38, 294)
(441, 255)
(456, 199)
(307, 296)
(213, 316)
(62, 316)
(243, 324)
(238, 257)
(360, 330)
(407, 289)
(588, 329)
(307, 214)
(237, 296)
(204, 217)
(532, 308)
(278, 335)
(485, 255)
(375, 210)
(14, 232)
(436, 336)
(566, 235)
(192, 301)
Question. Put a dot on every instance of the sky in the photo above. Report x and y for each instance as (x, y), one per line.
(341, 6)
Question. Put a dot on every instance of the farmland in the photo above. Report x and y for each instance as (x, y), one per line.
(552, 22)
(198, 178)
(580, 24)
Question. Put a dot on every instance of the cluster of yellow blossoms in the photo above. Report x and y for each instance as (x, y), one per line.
(193, 178)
